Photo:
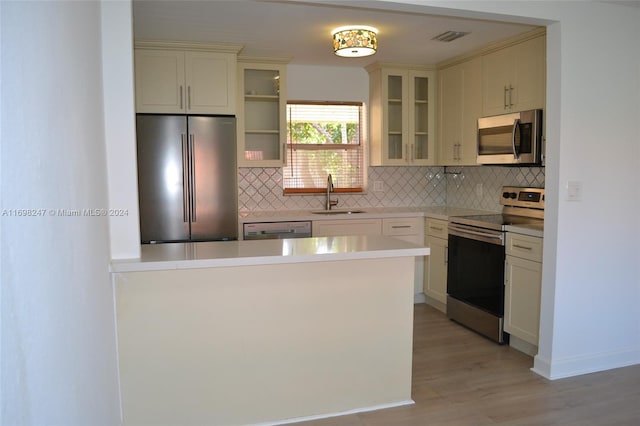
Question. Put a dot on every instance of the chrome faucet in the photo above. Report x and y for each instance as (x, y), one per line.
(329, 202)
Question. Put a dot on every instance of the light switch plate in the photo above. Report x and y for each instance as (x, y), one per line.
(378, 186)
(574, 190)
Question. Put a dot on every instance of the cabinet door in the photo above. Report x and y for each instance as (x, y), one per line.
(460, 104)
(436, 276)
(396, 117)
(450, 103)
(522, 298)
(410, 227)
(529, 77)
(210, 83)
(261, 115)
(334, 228)
(497, 70)
(514, 78)
(159, 77)
(421, 118)
(471, 111)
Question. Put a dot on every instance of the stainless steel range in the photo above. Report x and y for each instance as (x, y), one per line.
(475, 270)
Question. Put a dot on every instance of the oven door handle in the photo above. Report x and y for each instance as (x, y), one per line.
(493, 238)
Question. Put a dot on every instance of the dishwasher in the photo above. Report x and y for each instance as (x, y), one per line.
(276, 230)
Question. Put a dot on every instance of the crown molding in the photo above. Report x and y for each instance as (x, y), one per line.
(188, 45)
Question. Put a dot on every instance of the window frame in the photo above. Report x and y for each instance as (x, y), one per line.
(361, 147)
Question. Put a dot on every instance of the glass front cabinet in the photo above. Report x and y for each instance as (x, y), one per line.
(402, 116)
(261, 114)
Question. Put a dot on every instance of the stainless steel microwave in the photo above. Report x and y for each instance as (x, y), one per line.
(510, 138)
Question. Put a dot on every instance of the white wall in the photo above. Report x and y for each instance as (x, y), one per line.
(591, 278)
(120, 128)
(317, 83)
(58, 335)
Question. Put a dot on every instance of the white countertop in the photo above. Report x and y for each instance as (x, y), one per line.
(439, 212)
(533, 230)
(266, 252)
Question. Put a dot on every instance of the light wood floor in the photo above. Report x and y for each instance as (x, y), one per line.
(460, 378)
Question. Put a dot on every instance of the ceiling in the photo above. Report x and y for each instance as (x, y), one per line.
(301, 30)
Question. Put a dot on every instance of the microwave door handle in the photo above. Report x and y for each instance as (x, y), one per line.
(516, 126)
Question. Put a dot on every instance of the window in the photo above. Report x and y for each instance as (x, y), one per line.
(324, 138)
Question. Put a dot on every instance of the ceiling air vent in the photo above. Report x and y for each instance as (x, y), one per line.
(448, 36)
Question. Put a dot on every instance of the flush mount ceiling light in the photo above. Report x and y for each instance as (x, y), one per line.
(355, 41)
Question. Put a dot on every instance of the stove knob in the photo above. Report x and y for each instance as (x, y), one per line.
(513, 195)
(505, 195)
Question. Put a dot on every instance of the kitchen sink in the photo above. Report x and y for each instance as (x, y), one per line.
(337, 211)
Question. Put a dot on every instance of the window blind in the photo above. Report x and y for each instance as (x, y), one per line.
(323, 138)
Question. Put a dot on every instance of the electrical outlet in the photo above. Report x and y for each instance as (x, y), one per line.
(479, 190)
(378, 186)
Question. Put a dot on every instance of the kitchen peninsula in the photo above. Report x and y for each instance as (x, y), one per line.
(248, 332)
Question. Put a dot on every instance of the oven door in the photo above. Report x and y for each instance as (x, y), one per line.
(475, 271)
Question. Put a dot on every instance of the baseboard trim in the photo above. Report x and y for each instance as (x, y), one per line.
(337, 414)
(577, 366)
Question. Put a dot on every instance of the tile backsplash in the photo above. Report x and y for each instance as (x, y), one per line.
(477, 187)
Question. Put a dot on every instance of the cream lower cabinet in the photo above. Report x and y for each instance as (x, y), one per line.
(435, 274)
(341, 227)
(409, 229)
(523, 281)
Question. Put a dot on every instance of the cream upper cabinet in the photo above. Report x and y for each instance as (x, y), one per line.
(435, 275)
(262, 121)
(523, 281)
(460, 106)
(514, 78)
(401, 116)
(174, 81)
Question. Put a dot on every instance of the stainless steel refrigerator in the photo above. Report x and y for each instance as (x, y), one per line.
(187, 178)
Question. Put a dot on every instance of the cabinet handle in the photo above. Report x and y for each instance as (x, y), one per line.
(185, 179)
(181, 97)
(504, 97)
(412, 152)
(400, 226)
(406, 152)
(435, 228)
(522, 247)
(189, 97)
(510, 96)
(192, 172)
(284, 153)
(446, 255)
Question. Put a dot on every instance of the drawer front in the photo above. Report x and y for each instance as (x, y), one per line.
(334, 228)
(402, 226)
(524, 246)
(437, 228)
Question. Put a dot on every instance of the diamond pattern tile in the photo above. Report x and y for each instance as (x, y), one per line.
(261, 188)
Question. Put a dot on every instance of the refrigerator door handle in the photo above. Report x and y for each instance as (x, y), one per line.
(185, 179)
(192, 167)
